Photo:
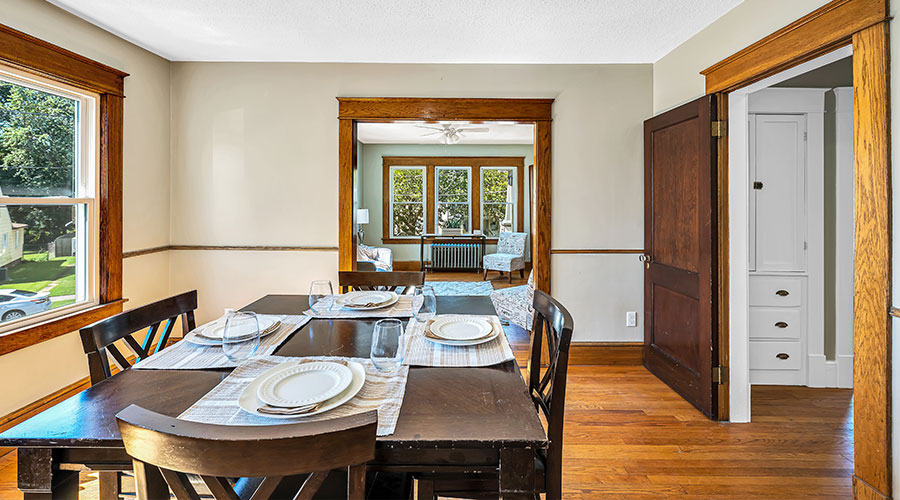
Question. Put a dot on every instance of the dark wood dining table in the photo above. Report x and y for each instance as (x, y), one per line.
(461, 420)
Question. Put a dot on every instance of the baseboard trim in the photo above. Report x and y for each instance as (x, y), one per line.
(606, 353)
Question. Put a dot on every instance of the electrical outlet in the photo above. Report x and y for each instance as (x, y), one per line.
(631, 318)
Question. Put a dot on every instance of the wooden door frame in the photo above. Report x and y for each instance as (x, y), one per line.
(355, 110)
(864, 25)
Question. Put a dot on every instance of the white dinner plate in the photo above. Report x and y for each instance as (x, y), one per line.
(216, 329)
(249, 402)
(304, 384)
(461, 328)
(195, 337)
(357, 300)
(463, 343)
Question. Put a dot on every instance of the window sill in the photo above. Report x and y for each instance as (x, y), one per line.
(34, 334)
(415, 241)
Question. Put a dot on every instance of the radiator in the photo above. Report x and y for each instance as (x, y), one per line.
(456, 255)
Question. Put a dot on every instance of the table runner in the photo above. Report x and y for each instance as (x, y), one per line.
(326, 308)
(423, 352)
(381, 391)
(187, 356)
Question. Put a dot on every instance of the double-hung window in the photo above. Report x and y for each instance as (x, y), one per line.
(498, 200)
(48, 185)
(407, 207)
(453, 200)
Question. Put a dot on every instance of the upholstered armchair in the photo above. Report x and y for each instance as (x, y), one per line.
(381, 258)
(514, 304)
(510, 255)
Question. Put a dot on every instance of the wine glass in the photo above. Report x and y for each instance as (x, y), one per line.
(424, 303)
(240, 340)
(387, 345)
(318, 290)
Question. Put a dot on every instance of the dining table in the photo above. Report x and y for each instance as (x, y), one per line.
(458, 420)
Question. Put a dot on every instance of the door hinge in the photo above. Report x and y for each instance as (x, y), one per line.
(757, 185)
(719, 129)
(719, 375)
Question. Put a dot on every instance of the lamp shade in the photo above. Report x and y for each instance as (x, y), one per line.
(362, 216)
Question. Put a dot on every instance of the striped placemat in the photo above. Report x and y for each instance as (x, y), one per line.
(185, 355)
(423, 352)
(326, 308)
(381, 391)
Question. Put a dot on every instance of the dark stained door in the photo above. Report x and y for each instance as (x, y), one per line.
(679, 237)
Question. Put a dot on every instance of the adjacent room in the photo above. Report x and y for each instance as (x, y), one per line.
(357, 250)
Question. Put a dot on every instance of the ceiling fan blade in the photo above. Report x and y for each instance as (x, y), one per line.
(431, 133)
(477, 129)
(439, 129)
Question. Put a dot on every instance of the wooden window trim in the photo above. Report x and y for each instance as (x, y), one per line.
(32, 55)
(431, 163)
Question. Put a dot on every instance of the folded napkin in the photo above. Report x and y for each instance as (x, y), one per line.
(422, 352)
(185, 355)
(381, 391)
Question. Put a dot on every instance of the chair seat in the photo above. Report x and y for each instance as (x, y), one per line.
(504, 262)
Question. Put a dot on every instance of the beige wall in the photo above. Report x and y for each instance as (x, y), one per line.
(370, 163)
(146, 186)
(254, 161)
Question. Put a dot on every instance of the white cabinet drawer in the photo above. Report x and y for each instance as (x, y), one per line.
(775, 355)
(783, 323)
(776, 291)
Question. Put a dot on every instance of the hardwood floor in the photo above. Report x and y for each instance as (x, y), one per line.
(628, 436)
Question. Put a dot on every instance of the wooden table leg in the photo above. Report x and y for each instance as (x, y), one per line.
(109, 485)
(40, 478)
(517, 474)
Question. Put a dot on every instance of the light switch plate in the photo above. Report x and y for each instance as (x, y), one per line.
(631, 318)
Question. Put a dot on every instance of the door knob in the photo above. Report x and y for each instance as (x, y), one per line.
(646, 259)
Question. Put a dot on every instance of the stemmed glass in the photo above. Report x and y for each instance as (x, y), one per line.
(424, 303)
(240, 340)
(388, 347)
(319, 290)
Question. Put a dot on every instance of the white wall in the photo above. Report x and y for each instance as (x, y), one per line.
(254, 161)
(146, 186)
(371, 166)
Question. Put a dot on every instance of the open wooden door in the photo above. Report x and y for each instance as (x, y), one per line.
(680, 246)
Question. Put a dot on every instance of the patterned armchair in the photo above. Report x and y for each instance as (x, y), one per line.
(510, 255)
(381, 258)
(514, 304)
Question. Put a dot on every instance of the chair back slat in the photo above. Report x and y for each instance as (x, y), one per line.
(217, 452)
(386, 281)
(98, 340)
(553, 323)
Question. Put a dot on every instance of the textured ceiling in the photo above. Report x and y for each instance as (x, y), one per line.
(405, 31)
(412, 133)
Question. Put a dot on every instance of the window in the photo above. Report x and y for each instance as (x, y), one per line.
(407, 201)
(48, 164)
(498, 200)
(453, 199)
(432, 194)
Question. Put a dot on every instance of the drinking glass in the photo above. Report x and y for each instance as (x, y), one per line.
(318, 290)
(241, 337)
(424, 303)
(388, 345)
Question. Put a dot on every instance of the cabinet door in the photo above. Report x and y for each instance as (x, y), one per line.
(778, 162)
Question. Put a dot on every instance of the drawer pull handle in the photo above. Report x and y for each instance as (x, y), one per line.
(781, 324)
(782, 293)
(782, 355)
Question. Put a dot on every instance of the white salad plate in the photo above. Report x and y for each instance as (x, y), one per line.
(304, 384)
(249, 402)
(461, 328)
(358, 300)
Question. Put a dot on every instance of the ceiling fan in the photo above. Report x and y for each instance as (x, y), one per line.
(451, 133)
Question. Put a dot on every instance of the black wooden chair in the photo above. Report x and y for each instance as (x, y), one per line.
(277, 461)
(547, 385)
(99, 339)
(388, 281)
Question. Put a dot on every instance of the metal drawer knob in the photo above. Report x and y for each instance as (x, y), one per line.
(782, 355)
(782, 293)
(781, 324)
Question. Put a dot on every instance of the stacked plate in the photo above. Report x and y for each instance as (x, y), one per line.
(362, 300)
(302, 389)
(461, 330)
(212, 333)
